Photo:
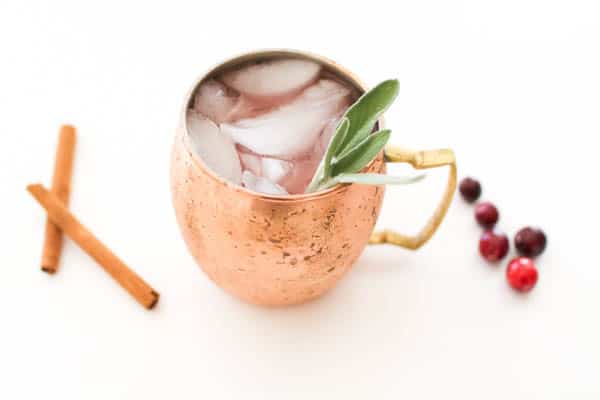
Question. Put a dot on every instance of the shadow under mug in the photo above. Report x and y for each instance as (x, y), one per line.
(282, 250)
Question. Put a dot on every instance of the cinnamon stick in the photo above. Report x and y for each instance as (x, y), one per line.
(62, 217)
(61, 187)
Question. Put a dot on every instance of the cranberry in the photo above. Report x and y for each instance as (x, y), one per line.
(486, 214)
(530, 241)
(521, 274)
(493, 246)
(470, 189)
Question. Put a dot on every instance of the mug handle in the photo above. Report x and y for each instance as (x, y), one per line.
(420, 160)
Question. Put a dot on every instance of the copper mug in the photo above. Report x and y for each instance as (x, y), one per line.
(282, 250)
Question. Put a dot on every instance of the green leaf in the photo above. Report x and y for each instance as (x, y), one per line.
(353, 146)
(366, 111)
(338, 137)
(357, 158)
(377, 179)
(316, 180)
(370, 179)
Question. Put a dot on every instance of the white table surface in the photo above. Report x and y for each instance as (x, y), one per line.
(512, 87)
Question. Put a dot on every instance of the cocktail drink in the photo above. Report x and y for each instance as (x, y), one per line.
(266, 124)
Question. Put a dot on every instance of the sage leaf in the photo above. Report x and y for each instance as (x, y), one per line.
(365, 112)
(377, 179)
(353, 145)
(357, 158)
(340, 133)
(316, 179)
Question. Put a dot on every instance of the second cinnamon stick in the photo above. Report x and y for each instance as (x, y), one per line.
(62, 217)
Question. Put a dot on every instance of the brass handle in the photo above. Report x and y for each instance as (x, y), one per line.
(421, 160)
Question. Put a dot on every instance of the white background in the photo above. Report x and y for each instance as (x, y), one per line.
(512, 86)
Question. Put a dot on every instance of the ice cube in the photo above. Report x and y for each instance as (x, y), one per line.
(275, 169)
(215, 101)
(251, 162)
(292, 129)
(248, 108)
(220, 103)
(301, 173)
(273, 79)
(213, 148)
(260, 184)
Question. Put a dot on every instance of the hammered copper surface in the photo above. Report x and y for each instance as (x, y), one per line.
(271, 251)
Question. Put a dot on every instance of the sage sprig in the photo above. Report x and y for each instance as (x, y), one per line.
(353, 145)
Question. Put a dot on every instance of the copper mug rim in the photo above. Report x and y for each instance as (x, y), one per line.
(331, 65)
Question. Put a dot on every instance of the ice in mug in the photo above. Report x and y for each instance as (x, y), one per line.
(266, 125)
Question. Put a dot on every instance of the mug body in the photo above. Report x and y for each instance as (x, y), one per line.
(265, 249)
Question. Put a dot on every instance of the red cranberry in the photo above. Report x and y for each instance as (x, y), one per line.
(493, 246)
(521, 274)
(486, 214)
(470, 189)
(530, 241)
